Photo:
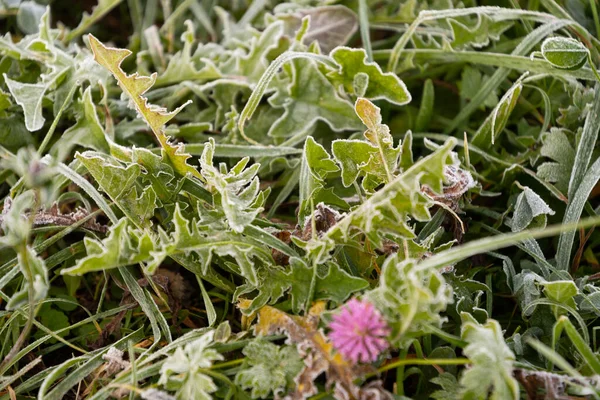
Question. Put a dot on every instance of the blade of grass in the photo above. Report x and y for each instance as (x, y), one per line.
(492, 243)
(573, 213)
(586, 145)
(363, 17)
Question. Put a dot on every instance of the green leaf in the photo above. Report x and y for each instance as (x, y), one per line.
(491, 362)
(380, 85)
(450, 387)
(126, 245)
(470, 83)
(387, 211)
(557, 146)
(310, 98)
(494, 124)
(183, 372)
(119, 182)
(376, 159)
(268, 368)
(332, 283)
(479, 35)
(411, 299)
(87, 132)
(529, 206)
(315, 167)
(135, 86)
(32, 267)
(586, 144)
(565, 53)
(181, 66)
(29, 96)
(238, 189)
(120, 248)
(561, 291)
(255, 62)
(427, 107)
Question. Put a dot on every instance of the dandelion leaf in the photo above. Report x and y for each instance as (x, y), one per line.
(135, 86)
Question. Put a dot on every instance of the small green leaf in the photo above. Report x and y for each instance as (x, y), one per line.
(494, 124)
(529, 206)
(426, 109)
(565, 53)
(561, 292)
(381, 85)
(479, 35)
(181, 66)
(557, 146)
(376, 159)
(238, 189)
(29, 96)
(410, 298)
(34, 268)
(492, 362)
(183, 371)
(316, 166)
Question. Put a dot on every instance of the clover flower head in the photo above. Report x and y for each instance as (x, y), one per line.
(358, 332)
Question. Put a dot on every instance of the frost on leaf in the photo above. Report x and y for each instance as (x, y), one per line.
(479, 35)
(268, 368)
(316, 166)
(34, 267)
(332, 283)
(135, 86)
(87, 131)
(491, 362)
(183, 372)
(558, 148)
(181, 65)
(118, 181)
(387, 211)
(310, 98)
(127, 245)
(410, 298)
(238, 189)
(379, 85)
(530, 208)
(376, 158)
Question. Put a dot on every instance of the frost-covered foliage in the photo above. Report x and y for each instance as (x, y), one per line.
(327, 199)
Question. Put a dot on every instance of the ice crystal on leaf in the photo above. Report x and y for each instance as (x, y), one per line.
(182, 371)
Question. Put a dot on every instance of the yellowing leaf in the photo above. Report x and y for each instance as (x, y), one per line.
(135, 86)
